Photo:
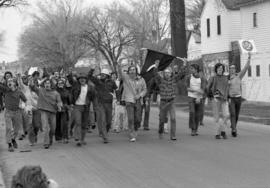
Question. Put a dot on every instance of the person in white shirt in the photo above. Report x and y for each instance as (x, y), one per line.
(195, 86)
(82, 95)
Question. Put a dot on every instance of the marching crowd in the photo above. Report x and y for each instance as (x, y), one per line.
(66, 105)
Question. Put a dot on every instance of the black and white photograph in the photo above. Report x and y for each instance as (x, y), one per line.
(134, 93)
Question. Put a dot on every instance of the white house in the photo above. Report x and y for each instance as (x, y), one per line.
(220, 26)
(255, 16)
(223, 22)
(194, 46)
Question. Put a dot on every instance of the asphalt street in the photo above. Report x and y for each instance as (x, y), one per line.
(190, 162)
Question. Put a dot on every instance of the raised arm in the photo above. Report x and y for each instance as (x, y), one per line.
(3, 88)
(180, 75)
(244, 70)
(33, 87)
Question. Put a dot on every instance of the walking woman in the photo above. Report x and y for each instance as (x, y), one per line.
(235, 94)
(218, 88)
(195, 85)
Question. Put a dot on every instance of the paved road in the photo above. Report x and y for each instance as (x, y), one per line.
(191, 162)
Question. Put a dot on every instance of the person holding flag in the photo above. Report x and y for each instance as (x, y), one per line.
(167, 81)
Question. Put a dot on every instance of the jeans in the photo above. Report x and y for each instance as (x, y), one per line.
(120, 118)
(48, 120)
(221, 121)
(13, 120)
(35, 126)
(234, 107)
(146, 113)
(108, 109)
(134, 117)
(164, 109)
(81, 117)
(101, 121)
(194, 113)
(61, 131)
(202, 110)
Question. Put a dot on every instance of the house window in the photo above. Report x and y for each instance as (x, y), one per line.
(258, 71)
(218, 25)
(249, 72)
(255, 24)
(208, 27)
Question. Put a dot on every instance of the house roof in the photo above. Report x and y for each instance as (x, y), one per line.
(242, 3)
(231, 4)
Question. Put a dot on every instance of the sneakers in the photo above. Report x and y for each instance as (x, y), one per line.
(132, 140)
(173, 138)
(234, 133)
(10, 148)
(14, 143)
(79, 144)
(223, 134)
(46, 146)
(65, 141)
(21, 137)
(105, 141)
(146, 129)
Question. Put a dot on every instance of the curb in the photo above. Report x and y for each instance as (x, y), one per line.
(2, 184)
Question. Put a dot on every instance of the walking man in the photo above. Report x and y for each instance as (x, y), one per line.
(167, 81)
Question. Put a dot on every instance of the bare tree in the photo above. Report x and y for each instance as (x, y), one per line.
(149, 21)
(54, 37)
(11, 3)
(194, 10)
(106, 31)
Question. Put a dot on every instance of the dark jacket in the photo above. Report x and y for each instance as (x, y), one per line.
(105, 89)
(12, 98)
(65, 97)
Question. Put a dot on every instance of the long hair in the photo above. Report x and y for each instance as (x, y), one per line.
(30, 177)
(219, 65)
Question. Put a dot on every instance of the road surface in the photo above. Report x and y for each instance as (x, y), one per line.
(190, 162)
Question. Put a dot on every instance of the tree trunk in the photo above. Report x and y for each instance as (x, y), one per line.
(178, 28)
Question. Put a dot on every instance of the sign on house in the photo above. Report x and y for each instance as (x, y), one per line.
(247, 46)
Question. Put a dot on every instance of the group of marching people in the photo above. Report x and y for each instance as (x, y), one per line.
(65, 105)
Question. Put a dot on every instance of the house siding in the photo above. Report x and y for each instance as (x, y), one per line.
(257, 88)
(229, 19)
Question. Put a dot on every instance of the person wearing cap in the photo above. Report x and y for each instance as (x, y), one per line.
(105, 88)
(235, 94)
(13, 118)
(61, 131)
(218, 90)
(82, 95)
(49, 103)
(167, 82)
(196, 85)
(133, 93)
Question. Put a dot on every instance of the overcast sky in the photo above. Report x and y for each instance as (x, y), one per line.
(12, 23)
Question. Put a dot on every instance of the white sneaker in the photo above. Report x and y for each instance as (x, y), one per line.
(132, 139)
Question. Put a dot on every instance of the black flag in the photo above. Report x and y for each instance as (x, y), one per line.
(147, 71)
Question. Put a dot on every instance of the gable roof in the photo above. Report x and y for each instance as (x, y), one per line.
(242, 3)
(231, 4)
